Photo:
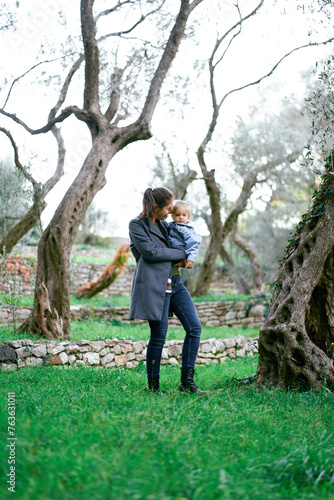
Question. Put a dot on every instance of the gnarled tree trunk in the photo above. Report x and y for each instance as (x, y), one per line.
(296, 342)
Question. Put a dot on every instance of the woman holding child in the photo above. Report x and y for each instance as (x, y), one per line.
(157, 290)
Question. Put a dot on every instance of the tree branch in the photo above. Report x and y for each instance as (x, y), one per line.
(92, 64)
(24, 74)
(167, 58)
(312, 44)
(18, 164)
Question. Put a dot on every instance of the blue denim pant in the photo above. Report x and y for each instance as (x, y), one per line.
(180, 303)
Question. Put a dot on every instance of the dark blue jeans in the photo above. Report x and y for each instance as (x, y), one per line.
(180, 303)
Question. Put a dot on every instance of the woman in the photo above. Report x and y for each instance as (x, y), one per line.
(150, 298)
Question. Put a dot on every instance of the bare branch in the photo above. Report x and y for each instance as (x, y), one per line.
(113, 9)
(18, 164)
(167, 58)
(194, 4)
(126, 32)
(212, 68)
(312, 44)
(26, 72)
(88, 29)
(50, 183)
(63, 93)
(79, 113)
(115, 95)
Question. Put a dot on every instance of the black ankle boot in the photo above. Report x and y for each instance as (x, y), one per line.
(153, 383)
(187, 381)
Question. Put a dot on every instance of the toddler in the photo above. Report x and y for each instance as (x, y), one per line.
(182, 233)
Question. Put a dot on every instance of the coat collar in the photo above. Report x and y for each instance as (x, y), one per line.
(162, 234)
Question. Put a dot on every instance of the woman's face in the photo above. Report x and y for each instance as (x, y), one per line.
(161, 213)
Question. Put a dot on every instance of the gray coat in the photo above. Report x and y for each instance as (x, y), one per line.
(154, 256)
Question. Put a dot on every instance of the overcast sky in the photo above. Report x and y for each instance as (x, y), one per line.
(264, 40)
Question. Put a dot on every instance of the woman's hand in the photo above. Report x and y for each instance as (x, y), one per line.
(182, 263)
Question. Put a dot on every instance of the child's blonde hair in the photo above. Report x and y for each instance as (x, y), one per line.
(181, 204)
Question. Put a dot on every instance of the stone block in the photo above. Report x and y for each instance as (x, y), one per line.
(213, 322)
(220, 345)
(125, 348)
(50, 346)
(111, 342)
(117, 349)
(58, 348)
(14, 343)
(58, 359)
(104, 351)
(257, 310)
(240, 341)
(91, 358)
(231, 352)
(85, 348)
(205, 347)
(138, 346)
(71, 359)
(164, 354)
(121, 360)
(129, 365)
(23, 352)
(83, 342)
(39, 351)
(31, 361)
(173, 361)
(72, 349)
(230, 315)
(107, 359)
(174, 350)
(27, 342)
(97, 345)
(7, 353)
(229, 342)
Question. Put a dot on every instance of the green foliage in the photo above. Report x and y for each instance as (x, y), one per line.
(15, 196)
(320, 197)
(100, 433)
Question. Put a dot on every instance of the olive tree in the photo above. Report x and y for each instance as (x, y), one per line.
(51, 312)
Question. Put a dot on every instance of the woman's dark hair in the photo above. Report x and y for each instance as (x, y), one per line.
(158, 196)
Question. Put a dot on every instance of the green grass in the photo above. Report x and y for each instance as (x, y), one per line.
(120, 300)
(221, 298)
(96, 433)
(100, 301)
(23, 300)
(96, 329)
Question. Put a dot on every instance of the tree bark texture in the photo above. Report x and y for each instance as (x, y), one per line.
(297, 340)
(108, 275)
(28, 221)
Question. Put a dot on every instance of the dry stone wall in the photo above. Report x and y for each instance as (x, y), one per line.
(235, 314)
(114, 353)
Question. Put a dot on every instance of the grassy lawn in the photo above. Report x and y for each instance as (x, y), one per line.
(96, 433)
(114, 301)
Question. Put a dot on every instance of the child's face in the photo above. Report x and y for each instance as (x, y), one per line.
(180, 215)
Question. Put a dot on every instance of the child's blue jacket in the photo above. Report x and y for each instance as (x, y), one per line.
(184, 236)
